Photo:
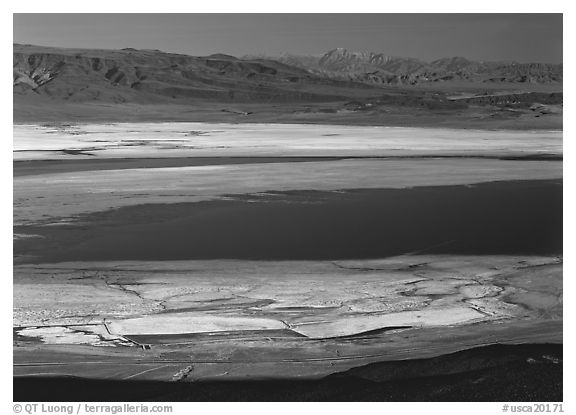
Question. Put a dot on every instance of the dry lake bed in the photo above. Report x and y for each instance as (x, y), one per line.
(194, 251)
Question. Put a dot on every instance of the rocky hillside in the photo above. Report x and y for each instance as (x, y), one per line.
(143, 76)
(378, 68)
(152, 76)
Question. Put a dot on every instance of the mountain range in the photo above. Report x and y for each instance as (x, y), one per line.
(379, 68)
(151, 75)
(339, 87)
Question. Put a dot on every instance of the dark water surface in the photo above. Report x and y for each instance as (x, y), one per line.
(522, 217)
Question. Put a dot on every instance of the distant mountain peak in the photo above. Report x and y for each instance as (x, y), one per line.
(355, 54)
(372, 67)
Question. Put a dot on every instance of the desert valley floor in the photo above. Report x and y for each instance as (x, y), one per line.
(188, 252)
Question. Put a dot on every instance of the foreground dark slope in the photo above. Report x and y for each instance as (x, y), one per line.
(519, 373)
(82, 85)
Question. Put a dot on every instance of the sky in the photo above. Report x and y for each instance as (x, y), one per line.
(488, 37)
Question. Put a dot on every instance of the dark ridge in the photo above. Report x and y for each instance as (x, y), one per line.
(222, 56)
(76, 153)
(505, 373)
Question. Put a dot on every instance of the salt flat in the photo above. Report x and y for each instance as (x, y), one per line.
(227, 309)
(129, 140)
(314, 298)
(230, 319)
(53, 197)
